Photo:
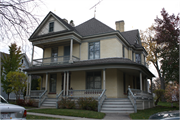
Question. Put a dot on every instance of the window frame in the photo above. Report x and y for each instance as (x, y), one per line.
(51, 26)
(50, 84)
(54, 59)
(139, 57)
(93, 50)
(93, 75)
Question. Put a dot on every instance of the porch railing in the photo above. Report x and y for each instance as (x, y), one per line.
(59, 96)
(132, 99)
(36, 93)
(141, 94)
(101, 99)
(84, 93)
(42, 97)
(53, 60)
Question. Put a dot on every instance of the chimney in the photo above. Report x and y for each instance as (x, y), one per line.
(120, 25)
(72, 23)
(65, 20)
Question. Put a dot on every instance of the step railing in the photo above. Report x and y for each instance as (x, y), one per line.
(101, 99)
(42, 98)
(36, 93)
(84, 93)
(132, 99)
(59, 97)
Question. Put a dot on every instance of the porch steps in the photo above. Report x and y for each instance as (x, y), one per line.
(117, 105)
(49, 103)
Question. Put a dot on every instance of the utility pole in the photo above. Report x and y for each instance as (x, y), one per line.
(95, 7)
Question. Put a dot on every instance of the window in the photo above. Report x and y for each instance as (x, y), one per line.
(94, 50)
(22, 61)
(123, 52)
(132, 56)
(54, 54)
(138, 58)
(93, 80)
(51, 26)
(53, 78)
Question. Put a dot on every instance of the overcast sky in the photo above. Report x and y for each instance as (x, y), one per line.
(137, 14)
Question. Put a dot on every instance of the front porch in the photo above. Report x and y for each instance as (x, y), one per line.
(99, 84)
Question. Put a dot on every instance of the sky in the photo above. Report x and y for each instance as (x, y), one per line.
(137, 14)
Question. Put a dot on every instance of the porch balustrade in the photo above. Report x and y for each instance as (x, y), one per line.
(53, 60)
(95, 93)
(36, 93)
(141, 94)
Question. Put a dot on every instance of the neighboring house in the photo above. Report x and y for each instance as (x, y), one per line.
(25, 65)
(90, 59)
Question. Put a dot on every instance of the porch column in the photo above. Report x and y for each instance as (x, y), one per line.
(104, 79)
(151, 87)
(141, 81)
(67, 83)
(27, 86)
(144, 84)
(32, 55)
(41, 82)
(46, 81)
(71, 51)
(64, 87)
(147, 84)
(30, 84)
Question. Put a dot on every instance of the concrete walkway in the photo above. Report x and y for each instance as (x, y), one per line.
(109, 116)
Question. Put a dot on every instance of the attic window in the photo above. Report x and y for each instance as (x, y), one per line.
(51, 26)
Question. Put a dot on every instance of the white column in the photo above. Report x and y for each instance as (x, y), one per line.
(144, 85)
(104, 79)
(30, 85)
(140, 80)
(32, 55)
(46, 81)
(147, 84)
(67, 83)
(71, 51)
(151, 86)
(64, 87)
(27, 86)
(41, 82)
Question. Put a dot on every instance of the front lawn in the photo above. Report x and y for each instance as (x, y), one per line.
(70, 112)
(145, 114)
(40, 117)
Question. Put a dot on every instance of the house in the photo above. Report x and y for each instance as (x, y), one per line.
(25, 65)
(89, 60)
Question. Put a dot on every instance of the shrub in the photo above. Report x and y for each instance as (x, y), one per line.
(30, 103)
(66, 104)
(158, 93)
(20, 102)
(87, 104)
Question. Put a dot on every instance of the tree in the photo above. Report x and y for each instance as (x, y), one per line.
(10, 62)
(152, 48)
(17, 19)
(17, 82)
(167, 35)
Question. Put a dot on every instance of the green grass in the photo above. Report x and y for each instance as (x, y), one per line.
(167, 104)
(145, 114)
(70, 112)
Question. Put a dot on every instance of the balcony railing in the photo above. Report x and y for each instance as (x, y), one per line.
(54, 60)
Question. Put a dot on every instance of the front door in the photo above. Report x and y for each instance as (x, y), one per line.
(66, 53)
(53, 79)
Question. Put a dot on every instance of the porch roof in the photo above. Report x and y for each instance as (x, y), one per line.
(96, 62)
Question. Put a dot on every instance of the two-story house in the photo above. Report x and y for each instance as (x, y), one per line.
(88, 59)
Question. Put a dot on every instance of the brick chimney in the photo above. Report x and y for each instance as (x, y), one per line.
(120, 25)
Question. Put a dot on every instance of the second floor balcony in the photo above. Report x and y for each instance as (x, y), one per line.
(54, 60)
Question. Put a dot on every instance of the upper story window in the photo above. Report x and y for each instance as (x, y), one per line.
(94, 50)
(51, 26)
(132, 56)
(54, 54)
(138, 58)
(123, 51)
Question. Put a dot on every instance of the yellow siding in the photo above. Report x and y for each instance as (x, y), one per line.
(84, 51)
(110, 48)
(47, 52)
(126, 52)
(120, 85)
(130, 54)
(61, 51)
(78, 80)
(111, 83)
(59, 83)
(76, 50)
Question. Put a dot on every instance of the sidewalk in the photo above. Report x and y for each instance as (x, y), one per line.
(109, 116)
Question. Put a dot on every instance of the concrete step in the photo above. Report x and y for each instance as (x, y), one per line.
(117, 100)
(49, 102)
(117, 106)
(51, 99)
(117, 103)
(104, 111)
(48, 105)
(117, 109)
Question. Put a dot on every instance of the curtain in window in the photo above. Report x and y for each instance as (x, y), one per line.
(94, 50)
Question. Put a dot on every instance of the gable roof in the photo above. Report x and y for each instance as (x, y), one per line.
(93, 27)
(131, 36)
(65, 24)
